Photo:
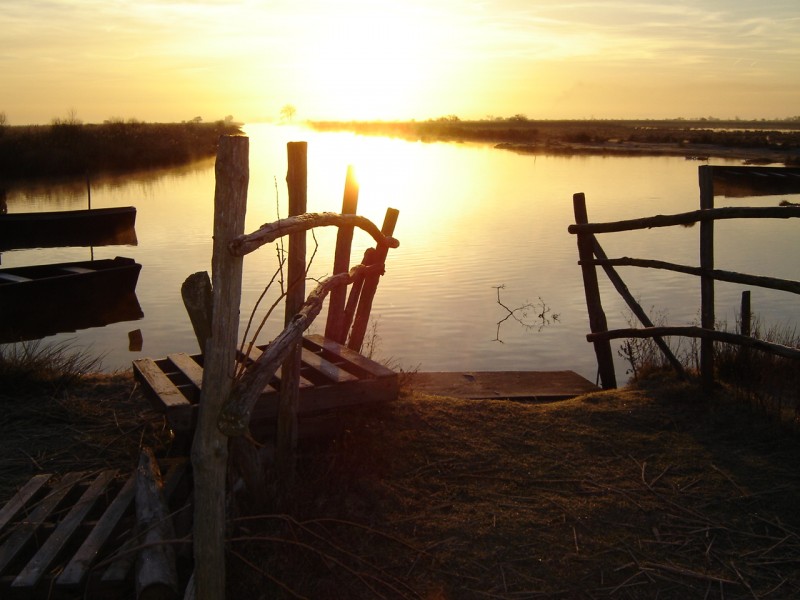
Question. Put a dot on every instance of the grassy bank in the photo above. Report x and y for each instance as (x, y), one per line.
(66, 149)
(749, 138)
(649, 491)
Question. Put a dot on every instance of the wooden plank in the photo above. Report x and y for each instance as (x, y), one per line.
(24, 531)
(118, 571)
(255, 353)
(32, 573)
(77, 568)
(188, 367)
(361, 362)
(328, 369)
(21, 498)
(520, 385)
(167, 392)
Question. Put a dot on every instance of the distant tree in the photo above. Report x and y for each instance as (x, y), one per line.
(228, 119)
(70, 120)
(3, 119)
(519, 118)
(197, 120)
(288, 112)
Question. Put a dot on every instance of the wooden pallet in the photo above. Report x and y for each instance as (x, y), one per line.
(332, 377)
(65, 537)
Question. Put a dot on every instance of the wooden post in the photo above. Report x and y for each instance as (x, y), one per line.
(286, 435)
(370, 284)
(334, 328)
(210, 446)
(745, 315)
(706, 280)
(197, 298)
(597, 318)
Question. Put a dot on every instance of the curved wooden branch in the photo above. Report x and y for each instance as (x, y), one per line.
(689, 218)
(269, 232)
(697, 332)
(234, 418)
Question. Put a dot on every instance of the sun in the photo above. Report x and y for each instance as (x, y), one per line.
(368, 63)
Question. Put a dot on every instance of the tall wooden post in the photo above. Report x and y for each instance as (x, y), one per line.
(334, 328)
(706, 280)
(286, 435)
(210, 446)
(370, 284)
(597, 318)
(745, 315)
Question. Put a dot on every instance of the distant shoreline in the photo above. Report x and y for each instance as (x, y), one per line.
(753, 142)
(74, 150)
(699, 152)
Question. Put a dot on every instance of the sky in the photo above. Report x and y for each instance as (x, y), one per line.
(170, 60)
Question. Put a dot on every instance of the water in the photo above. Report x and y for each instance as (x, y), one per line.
(472, 218)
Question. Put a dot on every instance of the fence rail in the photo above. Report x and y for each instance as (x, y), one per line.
(759, 181)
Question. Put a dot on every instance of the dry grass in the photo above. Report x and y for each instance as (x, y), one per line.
(639, 493)
(650, 491)
(85, 422)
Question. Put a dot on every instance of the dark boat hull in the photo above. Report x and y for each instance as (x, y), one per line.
(42, 300)
(95, 227)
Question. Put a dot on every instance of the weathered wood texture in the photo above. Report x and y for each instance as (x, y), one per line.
(697, 332)
(332, 377)
(237, 411)
(210, 446)
(688, 218)
(773, 283)
(767, 179)
(335, 325)
(81, 522)
(370, 283)
(270, 232)
(707, 308)
(198, 300)
(635, 307)
(597, 318)
(156, 571)
(286, 431)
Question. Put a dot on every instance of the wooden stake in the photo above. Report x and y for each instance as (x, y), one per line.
(334, 329)
(210, 446)
(707, 317)
(597, 318)
(371, 284)
(286, 435)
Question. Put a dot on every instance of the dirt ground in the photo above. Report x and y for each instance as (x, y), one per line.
(652, 491)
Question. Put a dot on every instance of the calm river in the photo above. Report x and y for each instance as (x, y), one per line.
(472, 218)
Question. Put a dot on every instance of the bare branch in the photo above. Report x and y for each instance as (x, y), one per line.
(244, 244)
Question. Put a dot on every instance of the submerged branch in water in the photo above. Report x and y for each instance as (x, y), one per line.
(531, 315)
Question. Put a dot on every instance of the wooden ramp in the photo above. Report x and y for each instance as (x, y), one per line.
(332, 377)
(516, 385)
(66, 537)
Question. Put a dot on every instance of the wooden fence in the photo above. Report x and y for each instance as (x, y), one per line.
(741, 181)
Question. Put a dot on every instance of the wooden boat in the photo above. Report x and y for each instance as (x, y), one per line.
(36, 301)
(91, 227)
(740, 182)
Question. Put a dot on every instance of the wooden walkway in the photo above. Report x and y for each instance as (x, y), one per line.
(67, 536)
(543, 386)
